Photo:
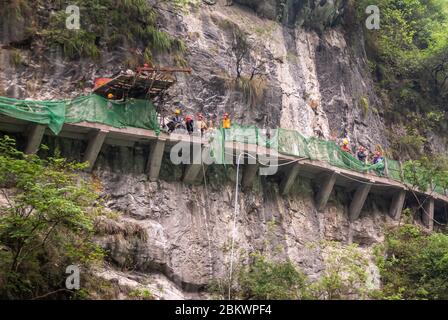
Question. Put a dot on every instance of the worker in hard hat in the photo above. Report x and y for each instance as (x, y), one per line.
(110, 96)
(378, 157)
(378, 160)
(362, 154)
(176, 121)
(226, 123)
(189, 123)
(201, 124)
(346, 146)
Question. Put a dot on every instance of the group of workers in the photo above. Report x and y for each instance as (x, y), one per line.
(200, 124)
(362, 154)
(203, 126)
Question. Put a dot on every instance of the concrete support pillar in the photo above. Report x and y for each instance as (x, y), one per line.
(249, 175)
(194, 169)
(358, 201)
(156, 151)
(35, 137)
(428, 213)
(326, 184)
(289, 179)
(96, 141)
(396, 206)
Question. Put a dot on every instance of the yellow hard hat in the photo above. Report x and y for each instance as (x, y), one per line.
(110, 96)
(177, 111)
(345, 141)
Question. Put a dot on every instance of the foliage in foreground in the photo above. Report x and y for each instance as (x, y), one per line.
(269, 280)
(344, 277)
(47, 217)
(414, 265)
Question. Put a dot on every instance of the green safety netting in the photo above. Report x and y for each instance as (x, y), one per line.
(92, 108)
(131, 113)
(290, 142)
(394, 169)
(50, 113)
(142, 114)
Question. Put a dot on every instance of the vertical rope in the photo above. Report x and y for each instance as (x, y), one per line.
(206, 223)
(235, 212)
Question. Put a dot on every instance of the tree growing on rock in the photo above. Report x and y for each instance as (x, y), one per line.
(47, 217)
(250, 70)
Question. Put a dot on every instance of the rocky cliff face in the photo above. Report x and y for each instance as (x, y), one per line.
(175, 238)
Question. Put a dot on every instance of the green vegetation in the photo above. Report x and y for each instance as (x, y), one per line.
(252, 89)
(364, 102)
(268, 280)
(263, 278)
(185, 5)
(47, 215)
(409, 58)
(344, 277)
(16, 58)
(414, 265)
(253, 85)
(345, 273)
(105, 24)
(427, 172)
(141, 294)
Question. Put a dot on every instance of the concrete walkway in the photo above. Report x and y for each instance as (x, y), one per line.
(324, 175)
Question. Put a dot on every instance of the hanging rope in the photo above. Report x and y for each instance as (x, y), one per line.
(235, 212)
(206, 223)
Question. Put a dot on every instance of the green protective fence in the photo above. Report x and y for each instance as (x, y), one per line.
(50, 113)
(142, 114)
(290, 142)
(394, 169)
(251, 135)
(130, 113)
(92, 108)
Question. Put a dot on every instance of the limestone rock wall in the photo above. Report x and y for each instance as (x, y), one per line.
(175, 238)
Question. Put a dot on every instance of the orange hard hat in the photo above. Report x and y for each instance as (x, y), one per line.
(110, 96)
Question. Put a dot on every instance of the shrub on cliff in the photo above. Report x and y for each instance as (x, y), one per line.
(47, 217)
(414, 265)
(269, 280)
